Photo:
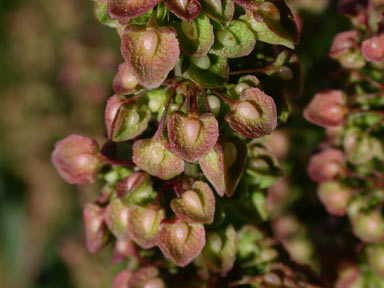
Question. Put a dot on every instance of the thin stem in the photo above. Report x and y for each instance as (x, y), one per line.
(225, 98)
(246, 71)
(160, 129)
(378, 85)
(206, 100)
(119, 162)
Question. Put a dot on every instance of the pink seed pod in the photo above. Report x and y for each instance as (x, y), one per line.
(113, 105)
(181, 242)
(326, 165)
(96, 232)
(150, 53)
(116, 216)
(254, 115)
(186, 9)
(192, 136)
(146, 277)
(373, 48)
(327, 109)
(124, 10)
(123, 249)
(124, 82)
(343, 43)
(121, 280)
(334, 197)
(77, 159)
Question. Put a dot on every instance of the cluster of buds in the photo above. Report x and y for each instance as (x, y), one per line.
(185, 167)
(349, 164)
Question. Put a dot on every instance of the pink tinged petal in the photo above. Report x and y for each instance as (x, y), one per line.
(96, 231)
(186, 9)
(224, 165)
(327, 109)
(192, 136)
(334, 197)
(123, 249)
(181, 242)
(77, 159)
(326, 165)
(143, 225)
(124, 10)
(116, 215)
(373, 48)
(146, 278)
(220, 251)
(254, 115)
(151, 156)
(121, 280)
(343, 43)
(196, 205)
(150, 53)
(124, 82)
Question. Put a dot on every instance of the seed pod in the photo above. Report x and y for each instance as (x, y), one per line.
(96, 232)
(224, 165)
(343, 43)
(113, 105)
(334, 197)
(77, 159)
(130, 120)
(327, 109)
(196, 205)
(143, 225)
(368, 226)
(373, 48)
(124, 10)
(151, 156)
(326, 165)
(192, 136)
(136, 189)
(272, 21)
(124, 82)
(254, 115)
(116, 216)
(181, 242)
(196, 37)
(150, 53)
(121, 280)
(123, 249)
(186, 9)
(220, 251)
(219, 10)
(236, 40)
(146, 277)
(100, 11)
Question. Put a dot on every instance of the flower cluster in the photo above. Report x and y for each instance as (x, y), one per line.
(349, 164)
(185, 167)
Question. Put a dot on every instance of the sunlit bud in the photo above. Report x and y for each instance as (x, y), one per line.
(226, 38)
(124, 82)
(196, 205)
(96, 231)
(269, 9)
(214, 104)
(203, 63)
(285, 73)
(240, 87)
(155, 104)
(181, 242)
(143, 225)
(77, 159)
(151, 156)
(326, 165)
(373, 48)
(327, 109)
(369, 226)
(334, 197)
(191, 136)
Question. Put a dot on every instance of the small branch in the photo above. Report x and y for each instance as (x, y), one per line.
(374, 83)
(119, 162)
(225, 98)
(206, 100)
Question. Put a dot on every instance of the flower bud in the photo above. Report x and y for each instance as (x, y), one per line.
(150, 53)
(220, 251)
(214, 104)
(181, 242)
(143, 225)
(124, 82)
(136, 189)
(254, 115)
(123, 249)
(96, 231)
(113, 105)
(373, 48)
(151, 156)
(146, 278)
(334, 197)
(124, 10)
(116, 216)
(224, 165)
(196, 205)
(368, 226)
(375, 254)
(186, 9)
(121, 280)
(327, 109)
(190, 136)
(326, 165)
(77, 159)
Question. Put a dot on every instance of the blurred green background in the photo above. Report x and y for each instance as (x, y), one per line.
(56, 68)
